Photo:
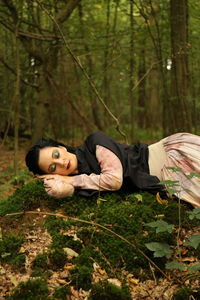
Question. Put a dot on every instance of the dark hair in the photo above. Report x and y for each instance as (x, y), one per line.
(32, 155)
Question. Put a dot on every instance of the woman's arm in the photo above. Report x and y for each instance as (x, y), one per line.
(111, 176)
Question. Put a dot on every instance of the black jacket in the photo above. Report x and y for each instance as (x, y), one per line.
(134, 159)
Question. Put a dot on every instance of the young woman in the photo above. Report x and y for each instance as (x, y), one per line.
(102, 164)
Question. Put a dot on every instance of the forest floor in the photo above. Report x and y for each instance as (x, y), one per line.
(37, 240)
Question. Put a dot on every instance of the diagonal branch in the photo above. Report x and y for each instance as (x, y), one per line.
(65, 14)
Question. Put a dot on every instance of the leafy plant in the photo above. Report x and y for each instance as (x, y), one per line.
(161, 226)
(160, 249)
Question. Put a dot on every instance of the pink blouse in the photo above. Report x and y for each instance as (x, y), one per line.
(111, 176)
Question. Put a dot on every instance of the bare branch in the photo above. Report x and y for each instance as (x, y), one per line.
(65, 14)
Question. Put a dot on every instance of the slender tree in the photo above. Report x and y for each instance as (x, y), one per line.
(180, 78)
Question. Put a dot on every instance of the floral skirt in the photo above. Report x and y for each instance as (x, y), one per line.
(182, 166)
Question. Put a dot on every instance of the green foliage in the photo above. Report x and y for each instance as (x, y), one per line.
(160, 249)
(30, 290)
(107, 291)
(161, 226)
(175, 265)
(194, 214)
(81, 277)
(194, 241)
(194, 268)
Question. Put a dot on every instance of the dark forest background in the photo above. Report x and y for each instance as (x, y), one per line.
(70, 67)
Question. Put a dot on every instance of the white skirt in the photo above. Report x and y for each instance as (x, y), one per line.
(177, 158)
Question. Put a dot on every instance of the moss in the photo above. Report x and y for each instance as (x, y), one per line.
(57, 259)
(186, 294)
(108, 291)
(86, 257)
(54, 225)
(26, 197)
(9, 250)
(39, 272)
(29, 196)
(19, 262)
(75, 205)
(40, 262)
(30, 290)
(61, 293)
(81, 277)
(10, 243)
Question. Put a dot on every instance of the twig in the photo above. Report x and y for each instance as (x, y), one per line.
(98, 225)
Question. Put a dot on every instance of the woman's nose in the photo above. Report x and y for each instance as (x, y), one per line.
(60, 162)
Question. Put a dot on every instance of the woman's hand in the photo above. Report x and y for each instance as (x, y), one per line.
(57, 186)
(66, 179)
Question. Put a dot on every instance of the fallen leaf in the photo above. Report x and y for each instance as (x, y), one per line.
(70, 252)
(134, 280)
(115, 281)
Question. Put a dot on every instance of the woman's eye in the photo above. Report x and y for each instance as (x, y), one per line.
(52, 168)
(56, 154)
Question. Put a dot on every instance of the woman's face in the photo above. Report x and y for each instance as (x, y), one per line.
(57, 160)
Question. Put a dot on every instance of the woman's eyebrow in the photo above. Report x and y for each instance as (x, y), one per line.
(52, 153)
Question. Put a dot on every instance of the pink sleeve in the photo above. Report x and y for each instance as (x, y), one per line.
(111, 176)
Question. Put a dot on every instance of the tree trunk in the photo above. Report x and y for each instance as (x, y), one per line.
(96, 111)
(142, 99)
(131, 77)
(17, 103)
(180, 94)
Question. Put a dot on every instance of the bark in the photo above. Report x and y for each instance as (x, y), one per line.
(17, 102)
(142, 118)
(156, 38)
(96, 112)
(106, 79)
(180, 81)
(131, 76)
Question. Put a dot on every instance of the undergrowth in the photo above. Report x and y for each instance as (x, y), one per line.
(144, 222)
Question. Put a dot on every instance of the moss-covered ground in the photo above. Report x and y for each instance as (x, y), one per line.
(102, 251)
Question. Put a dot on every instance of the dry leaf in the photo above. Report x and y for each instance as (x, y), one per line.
(115, 281)
(134, 281)
(160, 200)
